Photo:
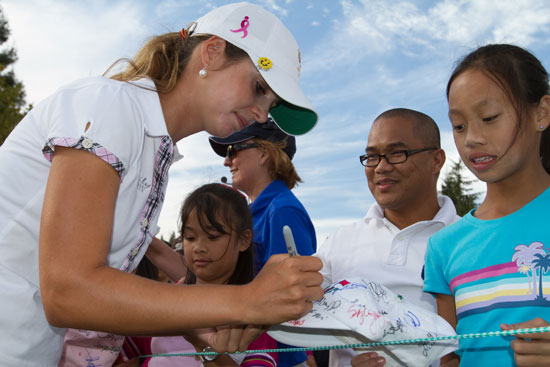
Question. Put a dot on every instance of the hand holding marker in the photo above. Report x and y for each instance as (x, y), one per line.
(289, 239)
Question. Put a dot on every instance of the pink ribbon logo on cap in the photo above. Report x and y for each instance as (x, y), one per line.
(244, 25)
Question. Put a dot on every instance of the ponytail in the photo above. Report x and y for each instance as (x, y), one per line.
(163, 59)
(280, 165)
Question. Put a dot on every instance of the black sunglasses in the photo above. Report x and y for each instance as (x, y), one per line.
(234, 148)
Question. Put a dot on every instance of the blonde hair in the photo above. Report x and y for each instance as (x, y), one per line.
(163, 59)
(280, 166)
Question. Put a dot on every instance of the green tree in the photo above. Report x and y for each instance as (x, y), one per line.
(172, 239)
(458, 189)
(12, 93)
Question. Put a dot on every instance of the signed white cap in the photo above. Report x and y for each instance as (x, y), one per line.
(356, 311)
(273, 50)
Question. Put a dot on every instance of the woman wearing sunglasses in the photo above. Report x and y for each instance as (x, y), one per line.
(260, 160)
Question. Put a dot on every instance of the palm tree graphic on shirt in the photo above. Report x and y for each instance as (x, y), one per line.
(542, 262)
(529, 259)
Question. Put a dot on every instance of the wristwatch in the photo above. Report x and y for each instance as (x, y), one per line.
(208, 357)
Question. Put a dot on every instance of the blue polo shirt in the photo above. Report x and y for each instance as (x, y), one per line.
(275, 207)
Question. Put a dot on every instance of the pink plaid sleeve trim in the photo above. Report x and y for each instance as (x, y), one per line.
(88, 145)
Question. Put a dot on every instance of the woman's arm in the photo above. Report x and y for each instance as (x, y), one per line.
(446, 309)
(80, 291)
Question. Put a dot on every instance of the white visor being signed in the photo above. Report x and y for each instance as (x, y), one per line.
(356, 311)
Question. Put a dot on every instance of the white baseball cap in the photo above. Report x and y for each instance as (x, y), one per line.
(357, 311)
(275, 53)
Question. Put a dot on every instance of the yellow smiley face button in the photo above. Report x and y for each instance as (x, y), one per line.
(265, 63)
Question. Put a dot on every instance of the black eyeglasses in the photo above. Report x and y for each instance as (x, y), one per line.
(234, 148)
(395, 157)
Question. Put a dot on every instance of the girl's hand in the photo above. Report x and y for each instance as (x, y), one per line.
(199, 337)
(450, 360)
(369, 359)
(310, 361)
(535, 351)
(224, 338)
(234, 338)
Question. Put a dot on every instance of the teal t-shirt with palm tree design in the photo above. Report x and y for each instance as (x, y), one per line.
(498, 271)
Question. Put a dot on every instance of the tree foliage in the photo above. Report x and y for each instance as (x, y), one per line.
(172, 240)
(457, 187)
(12, 93)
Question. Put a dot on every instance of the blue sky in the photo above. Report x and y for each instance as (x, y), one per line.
(359, 58)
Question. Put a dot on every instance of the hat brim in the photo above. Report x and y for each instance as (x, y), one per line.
(294, 114)
(293, 120)
(220, 144)
(315, 337)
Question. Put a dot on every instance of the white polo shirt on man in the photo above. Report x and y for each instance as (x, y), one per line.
(123, 124)
(375, 249)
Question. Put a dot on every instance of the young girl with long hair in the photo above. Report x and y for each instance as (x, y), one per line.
(487, 270)
(216, 228)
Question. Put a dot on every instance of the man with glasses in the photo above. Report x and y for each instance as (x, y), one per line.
(402, 162)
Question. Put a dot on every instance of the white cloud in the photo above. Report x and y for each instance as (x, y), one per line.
(369, 56)
(272, 5)
(378, 26)
(70, 41)
(494, 21)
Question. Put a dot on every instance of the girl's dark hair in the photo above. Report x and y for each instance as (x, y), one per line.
(225, 210)
(519, 74)
(147, 269)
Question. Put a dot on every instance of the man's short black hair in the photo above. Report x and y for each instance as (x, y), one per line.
(424, 126)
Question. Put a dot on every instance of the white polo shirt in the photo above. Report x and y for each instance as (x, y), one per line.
(374, 248)
(123, 124)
